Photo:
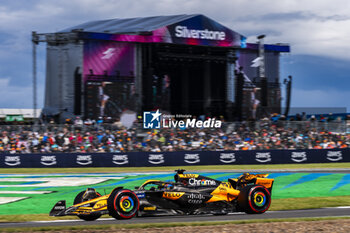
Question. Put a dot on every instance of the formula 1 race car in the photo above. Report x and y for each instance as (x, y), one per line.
(189, 194)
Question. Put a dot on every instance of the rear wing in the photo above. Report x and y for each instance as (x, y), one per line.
(249, 179)
(267, 183)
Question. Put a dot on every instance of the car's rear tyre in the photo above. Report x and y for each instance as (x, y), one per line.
(123, 204)
(79, 199)
(254, 199)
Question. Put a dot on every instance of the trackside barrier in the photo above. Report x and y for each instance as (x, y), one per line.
(182, 158)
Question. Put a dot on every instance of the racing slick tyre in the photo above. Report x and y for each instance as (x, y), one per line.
(123, 204)
(79, 199)
(254, 199)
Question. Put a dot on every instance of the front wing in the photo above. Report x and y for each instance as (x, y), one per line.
(94, 206)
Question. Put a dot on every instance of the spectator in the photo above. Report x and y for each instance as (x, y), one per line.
(276, 133)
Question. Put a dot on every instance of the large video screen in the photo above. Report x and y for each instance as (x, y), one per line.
(108, 76)
(109, 99)
(108, 58)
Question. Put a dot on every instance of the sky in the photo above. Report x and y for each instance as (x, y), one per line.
(318, 32)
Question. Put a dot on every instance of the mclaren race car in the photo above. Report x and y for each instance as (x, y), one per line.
(189, 194)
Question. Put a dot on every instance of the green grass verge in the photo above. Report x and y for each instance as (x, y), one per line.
(172, 168)
(36, 217)
(278, 204)
(309, 203)
(113, 227)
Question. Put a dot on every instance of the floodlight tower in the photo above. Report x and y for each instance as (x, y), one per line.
(261, 56)
(262, 77)
(35, 41)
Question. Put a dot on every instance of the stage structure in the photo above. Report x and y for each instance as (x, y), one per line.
(182, 64)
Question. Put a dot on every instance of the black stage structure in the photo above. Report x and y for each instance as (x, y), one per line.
(182, 64)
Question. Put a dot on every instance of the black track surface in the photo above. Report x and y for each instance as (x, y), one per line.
(324, 212)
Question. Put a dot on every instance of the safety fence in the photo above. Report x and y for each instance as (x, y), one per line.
(180, 158)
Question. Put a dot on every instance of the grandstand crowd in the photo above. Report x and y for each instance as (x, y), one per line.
(79, 137)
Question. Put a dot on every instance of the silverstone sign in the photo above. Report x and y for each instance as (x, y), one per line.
(184, 32)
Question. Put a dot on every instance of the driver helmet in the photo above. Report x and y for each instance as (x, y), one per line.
(169, 186)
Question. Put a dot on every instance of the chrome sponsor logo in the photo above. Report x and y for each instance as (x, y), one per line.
(334, 156)
(12, 160)
(48, 160)
(202, 182)
(263, 157)
(192, 158)
(156, 158)
(120, 159)
(299, 156)
(84, 160)
(227, 157)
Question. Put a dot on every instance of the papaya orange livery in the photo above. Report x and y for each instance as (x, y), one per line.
(187, 194)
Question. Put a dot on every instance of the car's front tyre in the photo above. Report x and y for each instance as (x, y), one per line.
(123, 204)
